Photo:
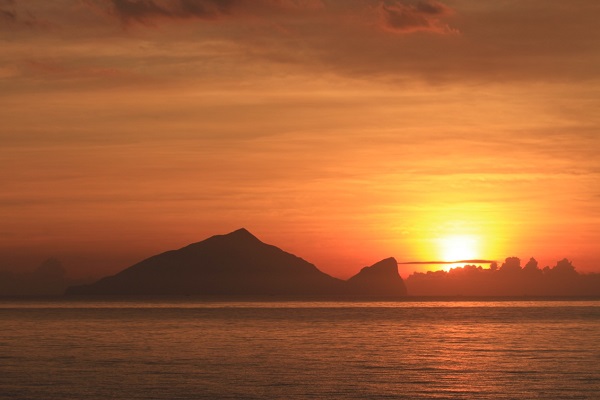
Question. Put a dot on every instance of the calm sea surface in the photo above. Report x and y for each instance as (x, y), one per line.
(187, 349)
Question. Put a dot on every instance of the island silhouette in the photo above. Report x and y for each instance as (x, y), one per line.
(240, 264)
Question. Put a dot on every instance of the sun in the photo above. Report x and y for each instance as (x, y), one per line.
(458, 247)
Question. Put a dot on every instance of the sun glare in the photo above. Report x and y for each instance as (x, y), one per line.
(458, 247)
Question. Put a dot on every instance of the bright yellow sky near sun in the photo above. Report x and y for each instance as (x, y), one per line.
(330, 129)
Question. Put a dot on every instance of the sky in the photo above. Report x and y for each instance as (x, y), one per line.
(343, 131)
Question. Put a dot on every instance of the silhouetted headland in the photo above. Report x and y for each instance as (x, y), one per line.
(240, 264)
(382, 277)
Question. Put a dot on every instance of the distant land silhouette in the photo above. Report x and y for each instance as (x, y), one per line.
(49, 278)
(238, 263)
(510, 279)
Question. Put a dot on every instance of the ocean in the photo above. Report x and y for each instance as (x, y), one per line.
(161, 348)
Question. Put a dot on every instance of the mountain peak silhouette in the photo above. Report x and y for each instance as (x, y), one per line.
(238, 263)
(241, 234)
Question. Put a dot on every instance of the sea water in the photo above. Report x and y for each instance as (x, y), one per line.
(157, 348)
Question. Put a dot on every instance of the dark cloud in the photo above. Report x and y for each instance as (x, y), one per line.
(147, 10)
(374, 38)
(152, 10)
(138, 9)
(8, 12)
(422, 16)
(432, 8)
(13, 15)
(8, 16)
(204, 8)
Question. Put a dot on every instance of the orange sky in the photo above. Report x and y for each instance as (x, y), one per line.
(344, 131)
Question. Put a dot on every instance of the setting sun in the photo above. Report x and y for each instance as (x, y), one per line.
(459, 247)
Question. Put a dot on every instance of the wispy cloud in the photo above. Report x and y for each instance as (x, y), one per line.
(8, 12)
(11, 16)
(148, 11)
(52, 69)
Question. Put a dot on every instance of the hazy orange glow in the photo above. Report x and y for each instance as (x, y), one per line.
(459, 247)
(337, 131)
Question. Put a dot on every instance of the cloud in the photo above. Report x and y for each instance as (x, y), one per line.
(52, 70)
(477, 261)
(422, 16)
(146, 10)
(8, 16)
(151, 10)
(8, 12)
(13, 15)
(388, 39)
